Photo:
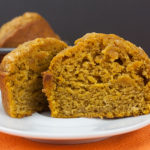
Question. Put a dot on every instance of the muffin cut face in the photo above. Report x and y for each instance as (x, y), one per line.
(20, 76)
(101, 76)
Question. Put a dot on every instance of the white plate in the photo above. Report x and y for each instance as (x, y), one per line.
(43, 128)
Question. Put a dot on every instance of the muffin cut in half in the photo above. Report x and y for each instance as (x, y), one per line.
(102, 76)
(21, 79)
(25, 28)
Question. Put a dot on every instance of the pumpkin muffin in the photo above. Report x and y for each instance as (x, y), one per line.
(25, 28)
(20, 76)
(102, 76)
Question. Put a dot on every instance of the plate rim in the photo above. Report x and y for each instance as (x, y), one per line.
(97, 135)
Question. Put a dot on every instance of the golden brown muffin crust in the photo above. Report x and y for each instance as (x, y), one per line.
(24, 28)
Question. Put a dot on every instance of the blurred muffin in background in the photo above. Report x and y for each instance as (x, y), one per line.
(25, 28)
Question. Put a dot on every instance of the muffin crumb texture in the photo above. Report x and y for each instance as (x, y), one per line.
(21, 79)
(102, 76)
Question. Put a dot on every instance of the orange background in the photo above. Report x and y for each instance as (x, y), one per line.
(137, 140)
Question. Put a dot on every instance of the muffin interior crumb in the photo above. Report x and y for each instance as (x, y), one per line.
(24, 80)
(104, 77)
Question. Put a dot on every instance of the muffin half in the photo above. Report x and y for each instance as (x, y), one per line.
(102, 76)
(20, 76)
